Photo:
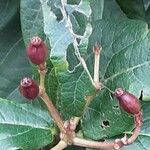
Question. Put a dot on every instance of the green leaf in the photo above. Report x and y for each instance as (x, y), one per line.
(56, 30)
(72, 59)
(106, 9)
(124, 63)
(51, 83)
(148, 16)
(133, 9)
(84, 7)
(31, 19)
(60, 38)
(97, 9)
(24, 126)
(13, 61)
(8, 9)
(73, 2)
(146, 4)
(74, 89)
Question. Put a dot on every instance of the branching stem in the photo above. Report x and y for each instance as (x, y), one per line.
(92, 144)
(53, 111)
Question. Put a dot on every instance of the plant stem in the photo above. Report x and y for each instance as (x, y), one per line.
(87, 71)
(134, 135)
(76, 121)
(92, 144)
(42, 71)
(60, 146)
(53, 111)
(138, 124)
(96, 50)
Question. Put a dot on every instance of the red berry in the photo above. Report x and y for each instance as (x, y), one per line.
(128, 101)
(28, 88)
(37, 51)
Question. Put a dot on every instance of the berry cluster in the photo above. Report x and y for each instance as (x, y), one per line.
(37, 53)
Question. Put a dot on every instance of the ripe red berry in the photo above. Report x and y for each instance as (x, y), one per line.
(28, 88)
(37, 51)
(127, 101)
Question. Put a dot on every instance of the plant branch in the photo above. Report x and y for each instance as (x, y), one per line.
(138, 125)
(51, 108)
(127, 141)
(134, 135)
(76, 120)
(92, 144)
(53, 111)
(97, 51)
(42, 72)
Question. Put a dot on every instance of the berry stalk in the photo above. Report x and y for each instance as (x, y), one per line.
(96, 51)
(51, 108)
(53, 111)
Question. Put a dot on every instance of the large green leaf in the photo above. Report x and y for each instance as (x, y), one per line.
(148, 15)
(73, 91)
(124, 63)
(56, 30)
(106, 9)
(8, 8)
(31, 19)
(133, 9)
(13, 60)
(71, 85)
(24, 126)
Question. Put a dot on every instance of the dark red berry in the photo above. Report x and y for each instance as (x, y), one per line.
(28, 88)
(128, 101)
(37, 51)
